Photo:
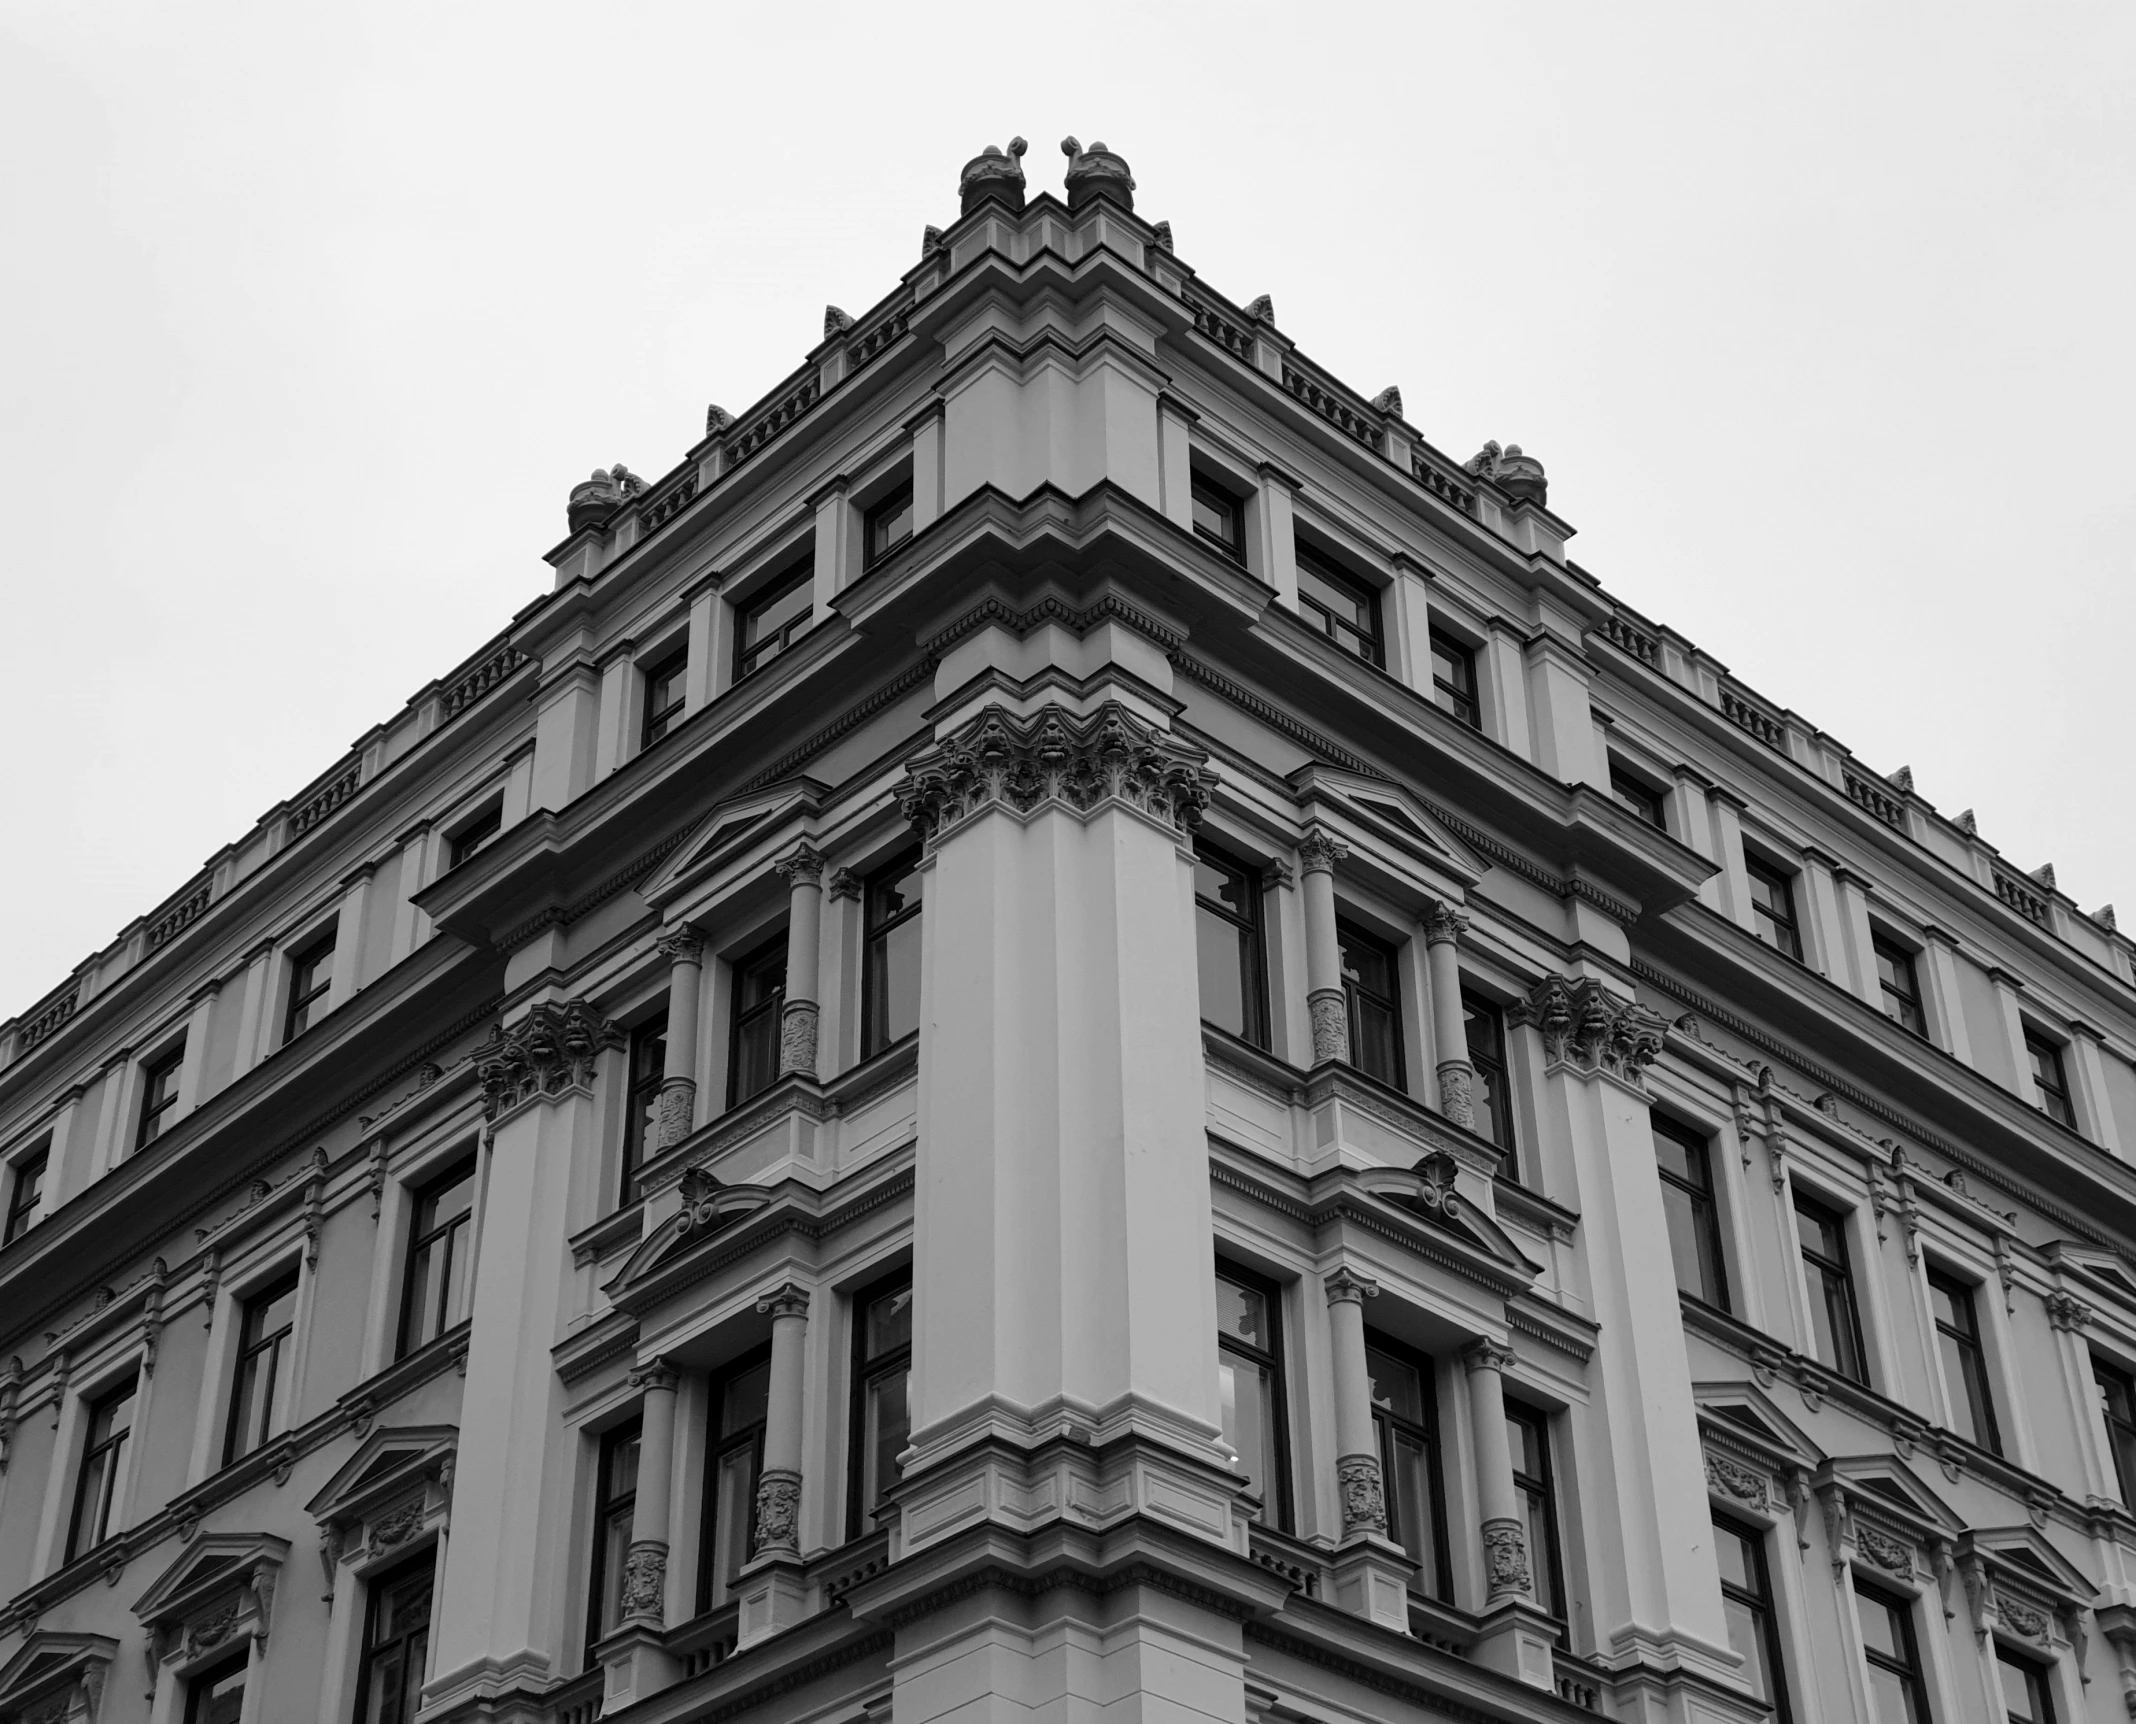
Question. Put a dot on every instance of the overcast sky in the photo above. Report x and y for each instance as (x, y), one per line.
(311, 315)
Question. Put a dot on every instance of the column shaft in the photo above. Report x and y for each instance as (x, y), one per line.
(1449, 1024)
(779, 1487)
(684, 950)
(1317, 857)
(1504, 1528)
(803, 874)
(1357, 1465)
(645, 1567)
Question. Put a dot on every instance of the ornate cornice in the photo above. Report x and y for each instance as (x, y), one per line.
(546, 1055)
(1587, 1027)
(998, 760)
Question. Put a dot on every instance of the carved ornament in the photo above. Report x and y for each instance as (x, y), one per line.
(1505, 1557)
(797, 1038)
(804, 867)
(682, 944)
(2065, 1311)
(1730, 1478)
(550, 1052)
(1347, 1286)
(778, 1511)
(1457, 1093)
(1586, 1026)
(1444, 924)
(1319, 850)
(1331, 1025)
(645, 1579)
(1364, 1503)
(993, 176)
(396, 1527)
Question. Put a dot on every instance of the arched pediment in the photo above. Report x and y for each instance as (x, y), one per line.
(708, 1208)
(1426, 1190)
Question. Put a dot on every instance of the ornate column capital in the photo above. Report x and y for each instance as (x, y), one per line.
(1319, 850)
(998, 760)
(1347, 1286)
(655, 1376)
(1444, 923)
(682, 944)
(788, 1300)
(802, 866)
(1485, 1354)
(1587, 1027)
(548, 1054)
(843, 883)
(2066, 1311)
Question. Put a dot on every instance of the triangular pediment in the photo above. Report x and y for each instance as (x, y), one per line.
(214, 1562)
(385, 1464)
(1882, 1481)
(46, 1663)
(2023, 1554)
(1740, 1415)
(1357, 805)
(738, 824)
(2095, 1264)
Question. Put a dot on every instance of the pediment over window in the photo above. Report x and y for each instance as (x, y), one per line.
(2020, 1587)
(1365, 804)
(59, 1677)
(1881, 1518)
(392, 1493)
(736, 825)
(1427, 1192)
(220, 1590)
(1758, 1460)
(708, 1209)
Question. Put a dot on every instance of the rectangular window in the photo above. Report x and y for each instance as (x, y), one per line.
(1897, 1694)
(891, 959)
(1340, 606)
(1372, 999)
(615, 1498)
(1965, 1361)
(1901, 985)
(476, 833)
(1405, 1417)
(2027, 1697)
(1638, 796)
(1747, 1602)
(1219, 518)
(882, 1414)
(25, 1193)
(218, 1696)
(641, 1110)
(734, 1461)
(1836, 1325)
(759, 1007)
(888, 525)
(1227, 934)
(1250, 1380)
(1694, 1219)
(663, 697)
(1453, 678)
(264, 1327)
(2117, 1397)
(100, 1485)
(1772, 907)
(311, 980)
(396, 1644)
(773, 620)
(2050, 1078)
(436, 1295)
(159, 1094)
(1491, 1098)
(1535, 1483)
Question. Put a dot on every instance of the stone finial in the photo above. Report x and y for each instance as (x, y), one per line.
(993, 176)
(717, 419)
(1261, 310)
(593, 500)
(930, 240)
(1902, 780)
(1097, 173)
(1388, 400)
(1163, 231)
(835, 321)
(2044, 874)
(2104, 916)
(1965, 822)
(1519, 476)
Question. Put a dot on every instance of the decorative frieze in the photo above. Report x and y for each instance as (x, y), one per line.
(549, 1053)
(1022, 764)
(1591, 1029)
(1731, 1479)
(797, 1038)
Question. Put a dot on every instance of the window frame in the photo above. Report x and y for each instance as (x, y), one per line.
(169, 1064)
(875, 546)
(1532, 1489)
(718, 1447)
(868, 1369)
(670, 670)
(278, 1348)
(641, 1096)
(752, 656)
(1910, 1672)
(1836, 1218)
(608, 1504)
(1705, 1203)
(198, 1684)
(1201, 490)
(1252, 932)
(113, 1479)
(741, 1022)
(1638, 798)
(1465, 705)
(2057, 1099)
(1278, 1514)
(1492, 1097)
(1385, 1425)
(448, 1172)
(2038, 1677)
(26, 1176)
(1764, 1605)
(473, 834)
(1348, 933)
(1977, 1379)
(377, 1588)
(2107, 1378)
(1371, 644)
(311, 983)
(1763, 915)
(1904, 993)
(874, 939)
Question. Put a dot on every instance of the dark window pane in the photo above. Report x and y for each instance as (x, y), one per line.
(436, 1296)
(159, 1094)
(2117, 1397)
(1374, 1008)
(1227, 927)
(895, 897)
(2049, 1077)
(1249, 1382)
(882, 1415)
(1217, 516)
(759, 1006)
(311, 980)
(1900, 985)
(1683, 1158)
(1406, 1422)
(25, 1194)
(1965, 1363)
(218, 1697)
(889, 524)
(641, 1108)
(774, 619)
(100, 1488)
(476, 833)
(396, 1646)
(1453, 676)
(1772, 904)
(1894, 1665)
(1528, 1433)
(1486, 1033)
(664, 697)
(263, 1348)
(1340, 606)
(1638, 796)
(615, 1502)
(2026, 1697)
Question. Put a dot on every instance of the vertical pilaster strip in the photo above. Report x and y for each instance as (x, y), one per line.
(683, 947)
(1443, 929)
(1317, 856)
(803, 873)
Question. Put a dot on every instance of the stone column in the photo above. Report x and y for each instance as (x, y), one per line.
(1443, 927)
(771, 1594)
(684, 949)
(1372, 1572)
(1517, 1636)
(645, 1568)
(803, 874)
(1317, 856)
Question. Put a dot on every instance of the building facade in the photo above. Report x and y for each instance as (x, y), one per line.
(1075, 1028)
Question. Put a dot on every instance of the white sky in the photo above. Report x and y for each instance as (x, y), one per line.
(310, 315)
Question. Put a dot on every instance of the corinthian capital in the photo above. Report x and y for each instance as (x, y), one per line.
(1587, 1027)
(1319, 850)
(1444, 923)
(803, 867)
(1347, 1286)
(682, 944)
(549, 1053)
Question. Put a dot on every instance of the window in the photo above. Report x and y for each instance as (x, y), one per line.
(311, 979)
(1694, 1220)
(759, 1005)
(1250, 1380)
(891, 961)
(615, 1498)
(1639, 796)
(2117, 1396)
(1897, 1694)
(1534, 1483)
(641, 1110)
(1901, 984)
(1227, 935)
(734, 1461)
(774, 619)
(1485, 1025)
(1747, 1602)
(1965, 1362)
(159, 1094)
(1340, 606)
(476, 833)
(1453, 679)
(1374, 1007)
(1405, 1417)
(25, 1193)
(1219, 518)
(263, 1345)
(2050, 1078)
(436, 1295)
(882, 1415)
(396, 1645)
(2026, 1696)
(1836, 1327)
(100, 1486)
(889, 524)
(218, 1697)
(663, 697)
(1772, 908)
